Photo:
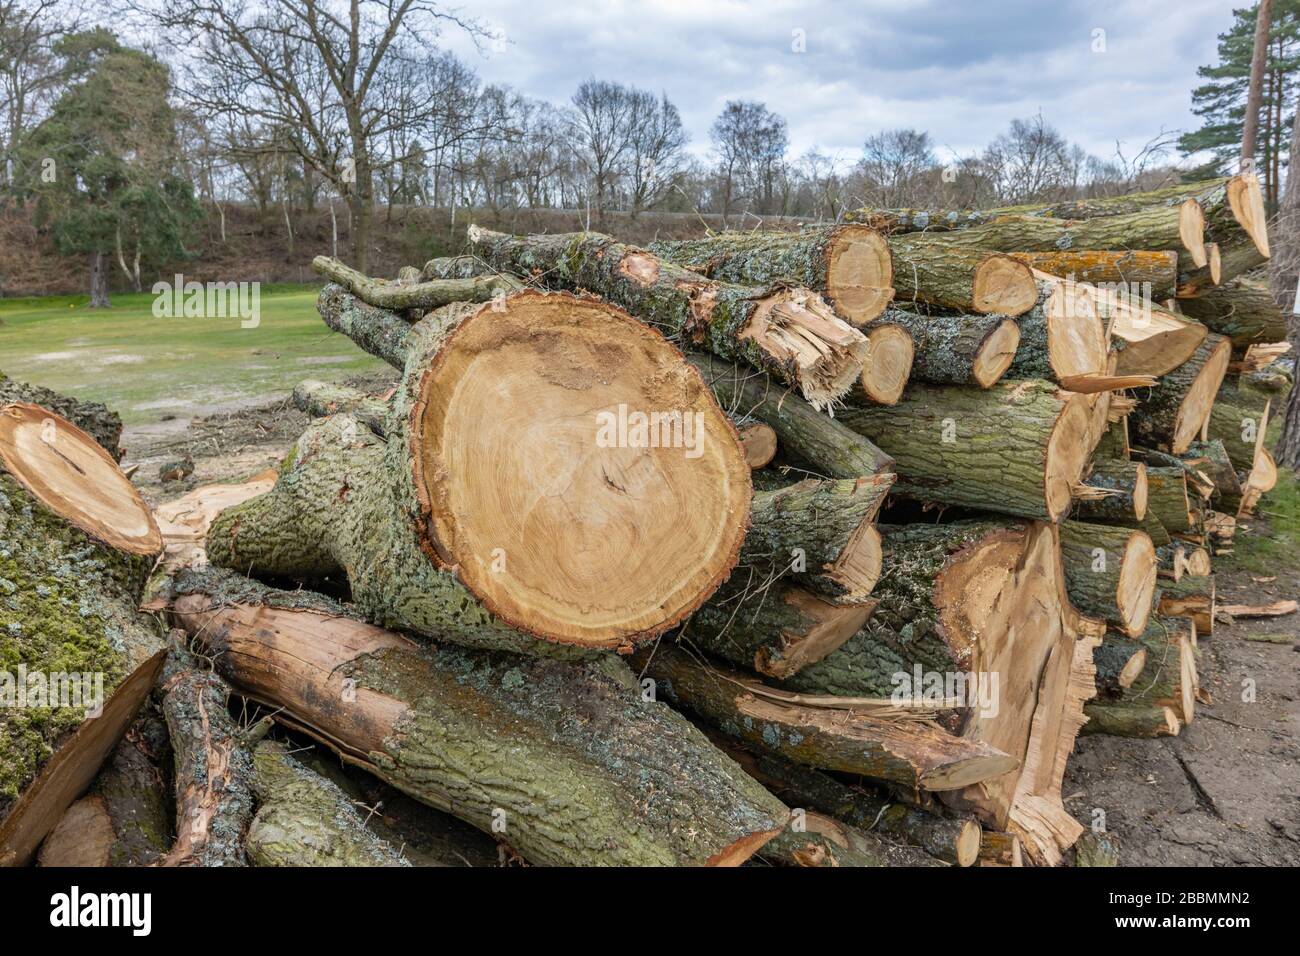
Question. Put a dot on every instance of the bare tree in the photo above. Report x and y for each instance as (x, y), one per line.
(601, 125)
(894, 166)
(654, 148)
(324, 72)
(750, 141)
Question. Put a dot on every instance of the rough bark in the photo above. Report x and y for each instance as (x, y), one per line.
(1238, 418)
(1119, 661)
(825, 444)
(825, 842)
(488, 737)
(1125, 485)
(928, 269)
(1018, 448)
(1154, 274)
(918, 754)
(957, 349)
(422, 296)
(1130, 720)
(214, 766)
(1061, 338)
(1173, 413)
(1242, 309)
(1110, 573)
(322, 399)
(304, 819)
(1167, 500)
(791, 333)
(850, 264)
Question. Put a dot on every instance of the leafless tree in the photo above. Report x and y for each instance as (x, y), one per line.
(894, 166)
(750, 142)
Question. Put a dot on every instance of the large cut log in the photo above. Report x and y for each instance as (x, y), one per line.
(1168, 678)
(850, 264)
(214, 769)
(93, 418)
(1151, 339)
(791, 332)
(985, 604)
(1243, 310)
(956, 349)
(76, 546)
(1153, 274)
(421, 296)
(971, 279)
(829, 447)
(1019, 447)
(1121, 492)
(489, 737)
(916, 753)
(954, 840)
(304, 819)
(521, 465)
(1110, 573)
(1175, 411)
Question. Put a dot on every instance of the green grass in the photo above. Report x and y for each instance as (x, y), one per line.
(145, 367)
(1267, 548)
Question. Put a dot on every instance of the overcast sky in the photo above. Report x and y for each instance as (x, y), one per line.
(961, 69)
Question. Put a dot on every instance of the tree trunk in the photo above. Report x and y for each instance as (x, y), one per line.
(1255, 85)
(1110, 573)
(103, 425)
(930, 270)
(98, 282)
(431, 721)
(304, 819)
(494, 511)
(1062, 339)
(1119, 660)
(1124, 487)
(322, 399)
(1239, 419)
(818, 440)
(1018, 448)
(1167, 500)
(917, 754)
(1130, 720)
(1285, 282)
(791, 333)
(850, 264)
(956, 349)
(1175, 411)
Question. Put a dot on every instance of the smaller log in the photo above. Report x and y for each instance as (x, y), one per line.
(1174, 413)
(1192, 598)
(1243, 310)
(888, 364)
(1210, 461)
(1061, 337)
(1119, 661)
(914, 753)
(214, 767)
(956, 349)
(304, 819)
(1123, 487)
(1167, 499)
(421, 296)
(1110, 573)
(1153, 274)
(1130, 720)
(1169, 677)
(758, 440)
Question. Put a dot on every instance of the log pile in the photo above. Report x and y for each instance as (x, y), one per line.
(813, 548)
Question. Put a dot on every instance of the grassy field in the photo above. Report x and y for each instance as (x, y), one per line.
(147, 368)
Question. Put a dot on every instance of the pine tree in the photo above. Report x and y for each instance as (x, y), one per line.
(1221, 101)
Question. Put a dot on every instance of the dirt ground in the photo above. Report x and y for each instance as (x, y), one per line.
(1225, 792)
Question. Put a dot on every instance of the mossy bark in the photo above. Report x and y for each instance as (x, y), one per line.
(1129, 720)
(825, 444)
(1236, 419)
(1241, 309)
(68, 606)
(421, 296)
(304, 819)
(824, 842)
(758, 258)
(569, 763)
(1111, 658)
(322, 399)
(985, 449)
(933, 272)
(1167, 500)
(946, 346)
(1092, 556)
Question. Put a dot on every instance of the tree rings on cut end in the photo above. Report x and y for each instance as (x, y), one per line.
(859, 273)
(889, 363)
(1137, 583)
(1246, 200)
(71, 474)
(575, 471)
(1196, 405)
(1068, 451)
(1003, 285)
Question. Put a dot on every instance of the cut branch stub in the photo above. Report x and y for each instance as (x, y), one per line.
(72, 475)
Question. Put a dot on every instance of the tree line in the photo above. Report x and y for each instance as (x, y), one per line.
(354, 106)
